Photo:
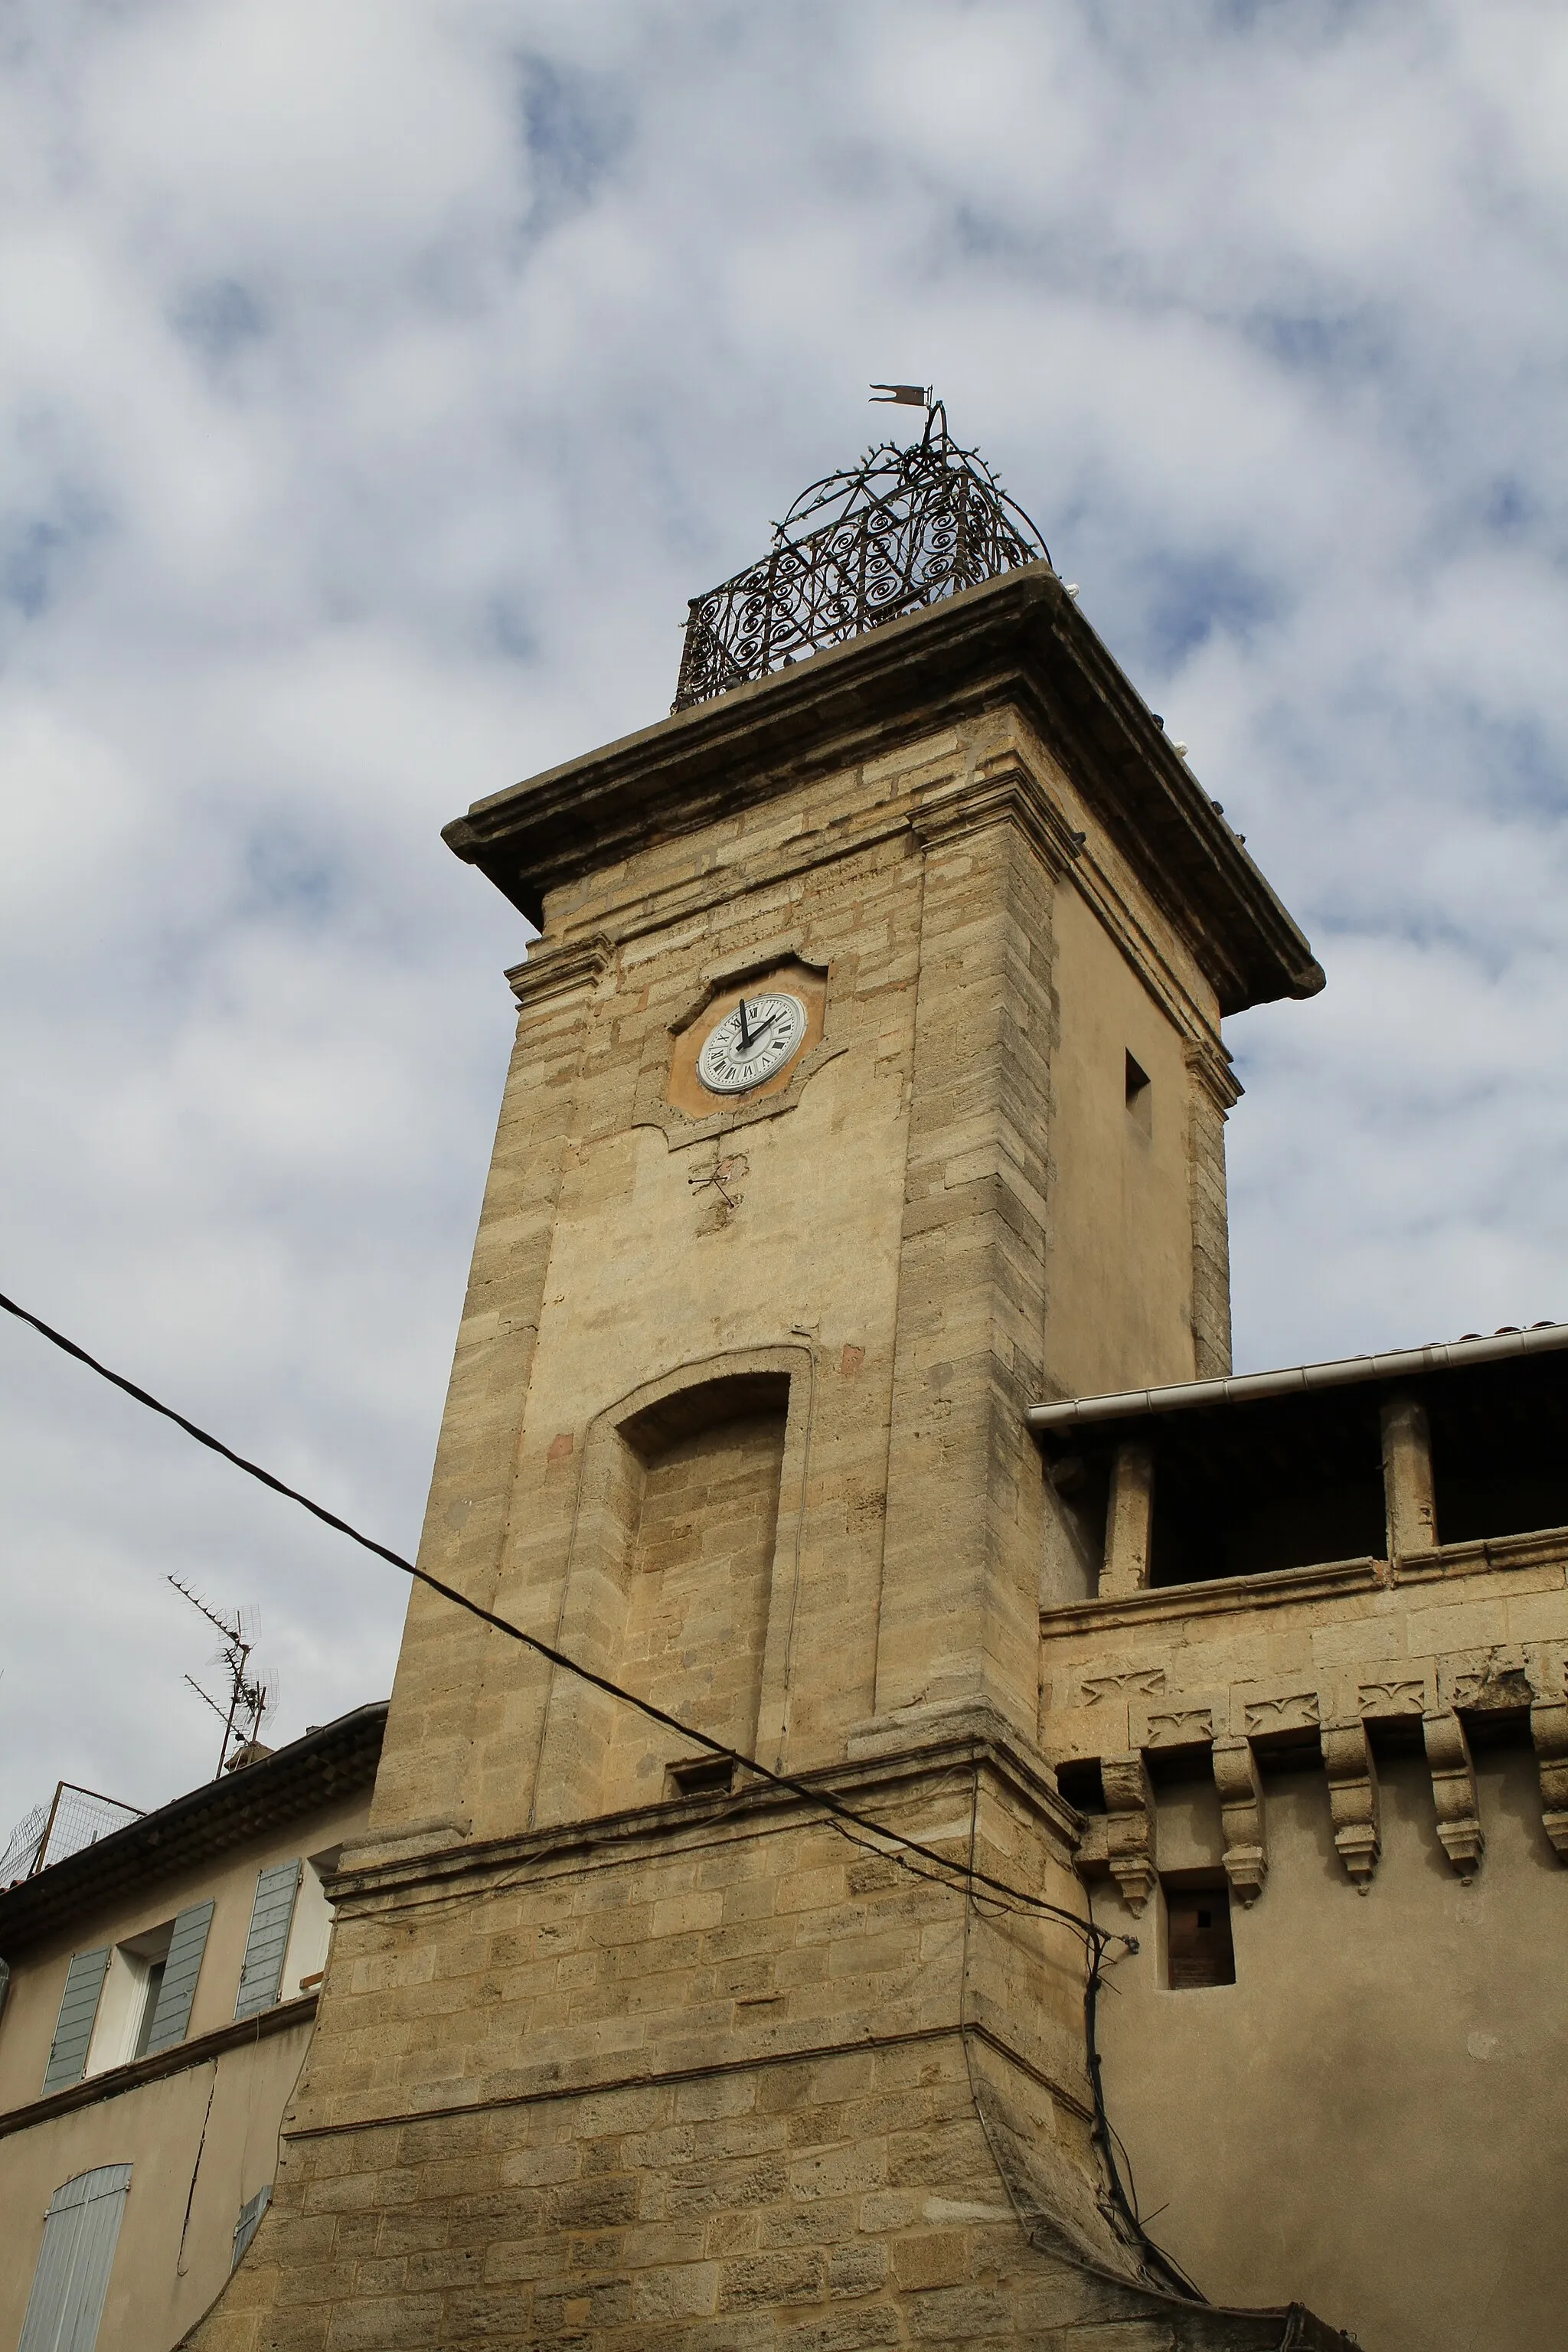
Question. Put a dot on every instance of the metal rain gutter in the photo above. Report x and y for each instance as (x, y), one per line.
(1404, 1363)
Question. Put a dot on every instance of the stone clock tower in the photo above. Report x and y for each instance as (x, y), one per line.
(867, 1090)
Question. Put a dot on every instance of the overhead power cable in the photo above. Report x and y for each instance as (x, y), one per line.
(860, 1828)
(1095, 1938)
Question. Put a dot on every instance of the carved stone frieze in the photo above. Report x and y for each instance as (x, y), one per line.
(1174, 1722)
(1131, 1827)
(1406, 1696)
(1352, 1772)
(1245, 1856)
(1141, 1681)
(1454, 1790)
(1264, 1711)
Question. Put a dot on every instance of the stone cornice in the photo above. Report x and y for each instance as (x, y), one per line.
(1210, 1064)
(1218, 1596)
(1007, 794)
(1019, 639)
(366, 1883)
(559, 967)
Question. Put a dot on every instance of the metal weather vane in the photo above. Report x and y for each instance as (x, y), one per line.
(901, 530)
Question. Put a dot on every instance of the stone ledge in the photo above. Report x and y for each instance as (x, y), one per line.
(586, 2084)
(650, 1827)
(115, 2081)
(1275, 1589)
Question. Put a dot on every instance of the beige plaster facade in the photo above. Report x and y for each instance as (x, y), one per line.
(198, 2122)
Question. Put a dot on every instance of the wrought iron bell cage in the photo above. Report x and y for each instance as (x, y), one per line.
(904, 528)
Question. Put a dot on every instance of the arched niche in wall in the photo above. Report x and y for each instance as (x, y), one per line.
(680, 1585)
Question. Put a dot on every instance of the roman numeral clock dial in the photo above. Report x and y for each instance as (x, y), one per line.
(752, 1043)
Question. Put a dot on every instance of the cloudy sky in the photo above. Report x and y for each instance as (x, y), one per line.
(378, 381)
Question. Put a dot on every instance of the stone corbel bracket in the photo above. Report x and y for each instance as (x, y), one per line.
(1245, 1856)
(1209, 1062)
(1548, 1730)
(1454, 1789)
(1354, 1807)
(558, 967)
(1130, 1837)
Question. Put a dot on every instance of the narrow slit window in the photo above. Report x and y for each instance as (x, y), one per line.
(1198, 1948)
(1139, 1095)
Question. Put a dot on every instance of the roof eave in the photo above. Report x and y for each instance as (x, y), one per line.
(321, 1767)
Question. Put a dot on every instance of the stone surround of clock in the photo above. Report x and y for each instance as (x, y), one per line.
(668, 1093)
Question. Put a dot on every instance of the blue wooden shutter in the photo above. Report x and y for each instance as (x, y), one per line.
(74, 2262)
(181, 1968)
(268, 1937)
(78, 2010)
(249, 2220)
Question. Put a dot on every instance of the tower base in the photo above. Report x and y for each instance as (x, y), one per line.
(709, 2077)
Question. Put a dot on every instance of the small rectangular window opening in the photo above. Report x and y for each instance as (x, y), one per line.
(1139, 1095)
(1198, 1948)
(703, 1776)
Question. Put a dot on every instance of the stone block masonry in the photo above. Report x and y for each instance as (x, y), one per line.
(711, 2079)
(736, 1419)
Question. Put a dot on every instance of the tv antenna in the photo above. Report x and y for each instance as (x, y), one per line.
(248, 1696)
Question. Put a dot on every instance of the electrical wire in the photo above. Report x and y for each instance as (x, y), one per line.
(860, 1829)
(1014, 1897)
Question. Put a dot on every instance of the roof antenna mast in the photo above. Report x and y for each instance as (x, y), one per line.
(248, 1696)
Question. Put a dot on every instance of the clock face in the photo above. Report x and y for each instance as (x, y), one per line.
(750, 1043)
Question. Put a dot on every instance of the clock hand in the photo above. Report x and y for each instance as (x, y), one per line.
(764, 1024)
(745, 1033)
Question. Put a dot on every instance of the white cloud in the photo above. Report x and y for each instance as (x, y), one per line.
(379, 383)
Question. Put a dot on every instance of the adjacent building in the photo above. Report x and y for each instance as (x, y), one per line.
(162, 1990)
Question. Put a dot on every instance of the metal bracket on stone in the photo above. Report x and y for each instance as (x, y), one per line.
(1131, 1827)
(1352, 1772)
(1245, 1856)
(1454, 1790)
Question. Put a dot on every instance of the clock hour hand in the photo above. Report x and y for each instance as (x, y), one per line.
(768, 1024)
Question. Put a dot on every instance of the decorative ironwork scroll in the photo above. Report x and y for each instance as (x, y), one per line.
(904, 528)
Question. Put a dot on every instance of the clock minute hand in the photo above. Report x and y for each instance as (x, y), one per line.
(746, 1034)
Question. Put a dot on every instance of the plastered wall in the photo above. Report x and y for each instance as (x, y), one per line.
(1371, 2117)
(38, 1975)
(207, 2137)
